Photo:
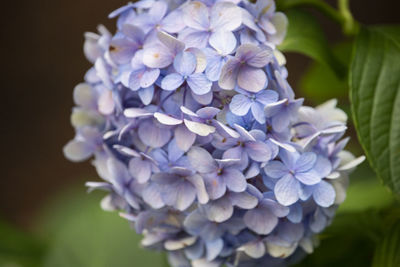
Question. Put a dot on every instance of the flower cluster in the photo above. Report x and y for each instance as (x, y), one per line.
(199, 138)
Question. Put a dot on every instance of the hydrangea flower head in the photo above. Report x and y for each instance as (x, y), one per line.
(199, 138)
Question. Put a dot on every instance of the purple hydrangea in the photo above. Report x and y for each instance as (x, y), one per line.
(199, 139)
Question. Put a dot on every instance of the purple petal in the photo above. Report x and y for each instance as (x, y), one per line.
(215, 186)
(151, 195)
(181, 197)
(184, 138)
(153, 136)
(207, 112)
(243, 200)
(205, 99)
(219, 210)
(157, 57)
(277, 209)
(149, 77)
(275, 169)
(78, 150)
(305, 162)
(261, 57)
(244, 133)
(185, 63)
(194, 38)
(229, 74)
(172, 81)
(260, 220)
(140, 169)
(240, 104)
(223, 42)
(258, 151)
(146, 95)
(199, 83)
(213, 249)
(199, 128)
(85, 96)
(274, 108)
(214, 67)
(324, 194)
(267, 97)
(252, 79)
(308, 178)
(157, 10)
(255, 249)
(166, 119)
(225, 16)
(296, 213)
(287, 190)
(201, 160)
(173, 22)
(195, 16)
(257, 110)
(106, 103)
(171, 43)
(136, 112)
(323, 166)
(234, 179)
(177, 244)
(198, 183)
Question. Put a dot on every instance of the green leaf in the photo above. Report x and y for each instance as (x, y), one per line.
(319, 83)
(387, 252)
(364, 180)
(305, 36)
(18, 248)
(375, 99)
(81, 234)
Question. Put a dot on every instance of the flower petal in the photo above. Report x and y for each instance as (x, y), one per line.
(199, 128)
(157, 56)
(258, 151)
(195, 15)
(201, 160)
(324, 194)
(260, 220)
(184, 138)
(78, 150)
(152, 135)
(185, 63)
(166, 119)
(140, 169)
(199, 83)
(275, 169)
(172, 81)
(287, 190)
(229, 74)
(234, 179)
(146, 95)
(252, 79)
(225, 16)
(240, 104)
(223, 41)
(219, 210)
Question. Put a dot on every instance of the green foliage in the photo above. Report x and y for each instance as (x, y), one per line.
(18, 248)
(81, 234)
(305, 36)
(320, 83)
(387, 252)
(375, 98)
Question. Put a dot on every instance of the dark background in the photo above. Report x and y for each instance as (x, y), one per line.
(41, 62)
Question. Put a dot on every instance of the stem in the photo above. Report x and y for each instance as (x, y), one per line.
(317, 4)
(341, 16)
(349, 25)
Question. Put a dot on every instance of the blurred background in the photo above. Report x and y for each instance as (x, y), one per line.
(46, 217)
